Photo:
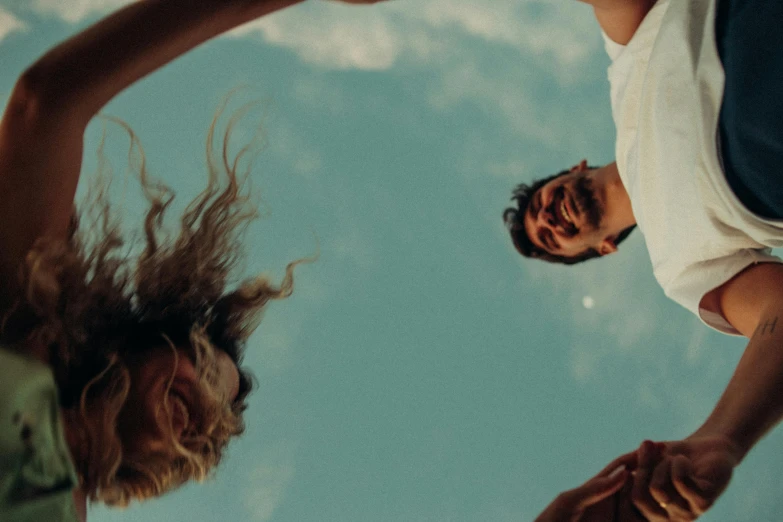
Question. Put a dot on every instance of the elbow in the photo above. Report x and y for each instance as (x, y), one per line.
(37, 99)
(26, 101)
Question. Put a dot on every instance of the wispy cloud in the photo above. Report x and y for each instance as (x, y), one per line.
(343, 37)
(354, 40)
(73, 11)
(339, 36)
(445, 40)
(268, 481)
(627, 311)
(8, 24)
(533, 26)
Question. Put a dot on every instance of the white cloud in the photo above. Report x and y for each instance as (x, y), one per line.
(268, 481)
(512, 23)
(584, 363)
(448, 42)
(347, 37)
(620, 289)
(509, 170)
(445, 40)
(73, 11)
(272, 348)
(9, 23)
(291, 147)
(339, 36)
(628, 311)
(349, 42)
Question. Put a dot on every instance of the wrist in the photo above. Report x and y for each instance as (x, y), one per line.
(729, 440)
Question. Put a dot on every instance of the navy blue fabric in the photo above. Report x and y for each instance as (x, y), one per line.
(749, 36)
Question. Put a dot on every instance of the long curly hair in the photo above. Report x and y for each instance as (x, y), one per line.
(96, 307)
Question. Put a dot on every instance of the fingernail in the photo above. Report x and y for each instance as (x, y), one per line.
(617, 471)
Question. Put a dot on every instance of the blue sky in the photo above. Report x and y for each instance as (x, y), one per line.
(421, 371)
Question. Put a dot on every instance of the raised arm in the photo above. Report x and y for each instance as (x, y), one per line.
(619, 19)
(42, 130)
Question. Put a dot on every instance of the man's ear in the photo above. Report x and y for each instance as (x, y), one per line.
(580, 167)
(608, 246)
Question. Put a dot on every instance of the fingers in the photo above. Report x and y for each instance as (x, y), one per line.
(628, 461)
(666, 495)
(686, 487)
(626, 511)
(607, 482)
(599, 488)
(640, 493)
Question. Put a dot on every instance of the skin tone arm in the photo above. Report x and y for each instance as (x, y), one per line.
(594, 500)
(42, 129)
(619, 19)
(695, 471)
(752, 403)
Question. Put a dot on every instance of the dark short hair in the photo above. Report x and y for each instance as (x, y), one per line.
(515, 222)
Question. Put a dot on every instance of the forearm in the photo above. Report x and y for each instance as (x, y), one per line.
(752, 403)
(83, 73)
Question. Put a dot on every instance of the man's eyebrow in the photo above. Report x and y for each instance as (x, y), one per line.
(536, 201)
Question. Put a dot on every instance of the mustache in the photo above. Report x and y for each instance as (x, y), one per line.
(584, 196)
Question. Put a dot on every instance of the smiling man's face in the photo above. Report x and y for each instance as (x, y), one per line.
(565, 216)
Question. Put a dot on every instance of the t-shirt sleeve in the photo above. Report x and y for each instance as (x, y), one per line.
(617, 73)
(613, 49)
(37, 476)
(699, 279)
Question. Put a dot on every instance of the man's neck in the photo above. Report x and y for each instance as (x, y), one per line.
(617, 205)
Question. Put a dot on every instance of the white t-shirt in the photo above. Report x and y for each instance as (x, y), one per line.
(666, 91)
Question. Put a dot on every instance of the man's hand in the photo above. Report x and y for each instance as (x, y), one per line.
(593, 501)
(679, 481)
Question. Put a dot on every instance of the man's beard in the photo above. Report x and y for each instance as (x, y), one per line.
(586, 202)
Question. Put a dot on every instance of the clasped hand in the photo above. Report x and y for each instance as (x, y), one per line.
(673, 481)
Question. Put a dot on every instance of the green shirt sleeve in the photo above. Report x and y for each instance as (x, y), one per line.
(37, 476)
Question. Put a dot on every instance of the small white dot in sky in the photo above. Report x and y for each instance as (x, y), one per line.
(588, 302)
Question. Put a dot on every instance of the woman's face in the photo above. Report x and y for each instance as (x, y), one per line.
(167, 399)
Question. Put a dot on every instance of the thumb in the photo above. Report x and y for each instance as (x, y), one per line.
(600, 488)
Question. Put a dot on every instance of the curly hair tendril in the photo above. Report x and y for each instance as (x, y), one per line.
(96, 307)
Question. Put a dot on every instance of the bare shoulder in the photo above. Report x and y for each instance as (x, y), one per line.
(620, 19)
